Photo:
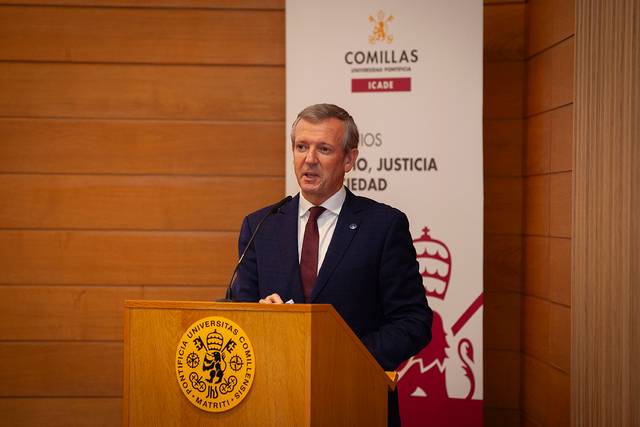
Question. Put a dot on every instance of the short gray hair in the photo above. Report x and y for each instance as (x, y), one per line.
(320, 112)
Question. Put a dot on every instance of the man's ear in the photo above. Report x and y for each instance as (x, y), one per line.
(350, 159)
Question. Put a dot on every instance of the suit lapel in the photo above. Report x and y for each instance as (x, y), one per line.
(346, 229)
(289, 249)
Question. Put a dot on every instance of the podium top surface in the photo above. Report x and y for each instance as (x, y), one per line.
(207, 305)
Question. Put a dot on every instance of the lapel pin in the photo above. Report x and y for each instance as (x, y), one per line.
(353, 226)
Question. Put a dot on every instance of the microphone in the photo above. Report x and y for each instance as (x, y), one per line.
(274, 209)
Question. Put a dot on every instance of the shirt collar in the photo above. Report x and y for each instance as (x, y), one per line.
(332, 204)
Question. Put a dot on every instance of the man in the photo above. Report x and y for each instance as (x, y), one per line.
(329, 246)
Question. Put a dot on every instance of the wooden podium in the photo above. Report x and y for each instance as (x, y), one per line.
(310, 369)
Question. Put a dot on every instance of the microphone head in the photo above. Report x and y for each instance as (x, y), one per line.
(280, 204)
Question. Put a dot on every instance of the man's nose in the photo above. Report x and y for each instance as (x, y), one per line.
(312, 156)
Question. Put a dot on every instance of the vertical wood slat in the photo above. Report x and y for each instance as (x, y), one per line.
(606, 246)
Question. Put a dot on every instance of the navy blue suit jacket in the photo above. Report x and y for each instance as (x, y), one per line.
(369, 274)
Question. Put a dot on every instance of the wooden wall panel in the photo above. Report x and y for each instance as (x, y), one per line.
(130, 131)
(117, 258)
(562, 139)
(550, 78)
(142, 147)
(605, 379)
(549, 141)
(499, 393)
(503, 263)
(63, 312)
(504, 32)
(69, 369)
(549, 22)
(536, 267)
(497, 417)
(546, 397)
(548, 192)
(503, 205)
(560, 271)
(141, 91)
(61, 412)
(177, 4)
(142, 35)
(535, 327)
(503, 142)
(502, 321)
(133, 202)
(504, 136)
(560, 337)
(503, 90)
(538, 146)
(560, 204)
(536, 205)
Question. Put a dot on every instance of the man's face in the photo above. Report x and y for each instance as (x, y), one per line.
(319, 159)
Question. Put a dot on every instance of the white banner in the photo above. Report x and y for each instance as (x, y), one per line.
(410, 73)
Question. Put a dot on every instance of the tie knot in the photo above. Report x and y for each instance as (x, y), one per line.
(315, 212)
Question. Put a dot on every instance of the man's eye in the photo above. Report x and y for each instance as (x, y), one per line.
(301, 147)
(325, 150)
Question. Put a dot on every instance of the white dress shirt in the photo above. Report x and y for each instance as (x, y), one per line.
(326, 221)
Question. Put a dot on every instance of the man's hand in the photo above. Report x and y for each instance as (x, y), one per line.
(272, 299)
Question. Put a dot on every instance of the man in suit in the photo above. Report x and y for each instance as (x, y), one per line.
(330, 246)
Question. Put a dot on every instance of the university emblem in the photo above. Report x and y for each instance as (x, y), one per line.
(380, 28)
(215, 364)
(440, 381)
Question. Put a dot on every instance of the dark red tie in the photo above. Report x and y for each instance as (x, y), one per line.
(309, 255)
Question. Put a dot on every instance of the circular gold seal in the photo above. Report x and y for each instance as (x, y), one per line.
(215, 364)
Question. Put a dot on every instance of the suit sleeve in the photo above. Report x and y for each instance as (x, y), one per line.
(245, 284)
(406, 323)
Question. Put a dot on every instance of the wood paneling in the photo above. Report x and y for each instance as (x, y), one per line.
(63, 312)
(496, 417)
(499, 393)
(61, 412)
(536, 205)
(560, 204)
(132, 134)
(560, 336)
(549, 22)
(133, 202)
(538, 144)
(503, 205)
(559, 399)
(550, 78)
(117, 258)
(503, 263)
(217, 4)
(142, 147)
(503, 90)
(605, 379)
(535, 327)
(142, 35)
(503, 145)
(560, 270)
(536, 267)
(61, 369)
(562, 139)
(141, 91)
(502, 320)
(535, 390)
(504, 32)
